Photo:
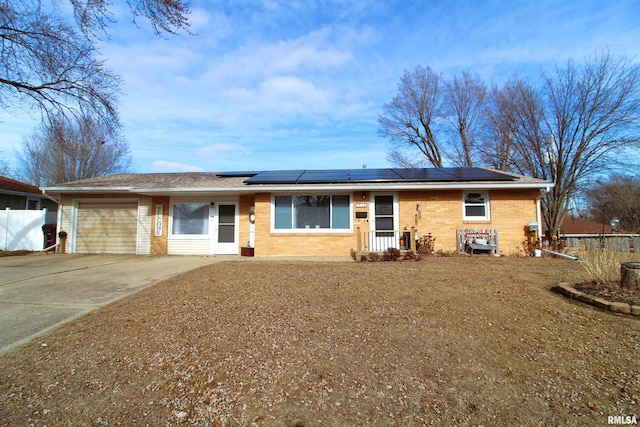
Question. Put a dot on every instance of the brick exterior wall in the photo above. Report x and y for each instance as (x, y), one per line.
(437, 212)
(244, 208)
(441, 214)
(269, 244)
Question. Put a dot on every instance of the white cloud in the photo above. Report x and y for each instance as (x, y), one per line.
(164, 166)
(282, 94)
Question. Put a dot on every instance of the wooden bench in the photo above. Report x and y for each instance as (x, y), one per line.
(474, 240)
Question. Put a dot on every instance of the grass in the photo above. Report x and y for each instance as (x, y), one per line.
(443, 341)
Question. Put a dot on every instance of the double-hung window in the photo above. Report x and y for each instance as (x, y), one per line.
(190, 219)
(476, 206)
(314, 212)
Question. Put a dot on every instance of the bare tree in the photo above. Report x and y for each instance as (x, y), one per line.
(574, 128)
(411, 118)
(51, 64)
(465, 98)
(69, 150)
(622, 192)
(4, 168)
(406, 160)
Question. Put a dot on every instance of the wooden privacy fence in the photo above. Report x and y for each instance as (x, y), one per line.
(611, 243)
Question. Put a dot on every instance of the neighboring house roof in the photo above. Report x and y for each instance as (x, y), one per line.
(335, 179)
(576, 227)
(11, 186)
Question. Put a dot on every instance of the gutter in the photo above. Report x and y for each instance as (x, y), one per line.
(53, 199)
(302, 187)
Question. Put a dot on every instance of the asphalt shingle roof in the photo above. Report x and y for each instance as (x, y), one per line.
(9, 184)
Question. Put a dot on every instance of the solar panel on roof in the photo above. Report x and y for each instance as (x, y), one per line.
(276, 177)
(318, 176)
(376, 175)
(425, 174)
(373, 175)
(480, 174)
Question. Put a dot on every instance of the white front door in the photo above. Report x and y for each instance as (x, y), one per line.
(223, 228)
(384, 222)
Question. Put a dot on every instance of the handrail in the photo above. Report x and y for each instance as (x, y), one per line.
(381, 240)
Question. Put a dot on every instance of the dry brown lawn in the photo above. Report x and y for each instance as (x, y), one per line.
(443, 341)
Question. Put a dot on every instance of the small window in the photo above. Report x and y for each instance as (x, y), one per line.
(33, 204)
(476, 206)
(190, 219)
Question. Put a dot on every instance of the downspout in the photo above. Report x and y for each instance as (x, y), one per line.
(543, 192)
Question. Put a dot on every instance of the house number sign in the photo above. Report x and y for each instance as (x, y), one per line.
(361, 205)
(158, 228)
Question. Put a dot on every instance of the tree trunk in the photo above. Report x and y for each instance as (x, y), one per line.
(630, 275)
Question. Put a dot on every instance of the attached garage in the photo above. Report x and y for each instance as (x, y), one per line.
(106, 227)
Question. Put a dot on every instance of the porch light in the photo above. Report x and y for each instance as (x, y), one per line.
(252, 214)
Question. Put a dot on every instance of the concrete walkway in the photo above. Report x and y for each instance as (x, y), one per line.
(40, 292)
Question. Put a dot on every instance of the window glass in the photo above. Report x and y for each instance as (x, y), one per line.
(340, 212)
(190, 218)
(384, 205)
(283, 210)
(475, 206)
(226, 223)
(33, 204)
(312, 212)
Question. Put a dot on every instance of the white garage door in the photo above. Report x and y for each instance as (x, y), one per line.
(107, 228)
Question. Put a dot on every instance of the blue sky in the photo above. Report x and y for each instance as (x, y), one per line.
(285, 84)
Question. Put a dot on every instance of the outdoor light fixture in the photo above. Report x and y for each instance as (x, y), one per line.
(364, 195)
(615, 224)
(252, 215)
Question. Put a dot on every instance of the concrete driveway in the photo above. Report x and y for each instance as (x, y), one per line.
(40, 292)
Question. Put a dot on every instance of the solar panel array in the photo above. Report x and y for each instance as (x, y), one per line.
(335, 176)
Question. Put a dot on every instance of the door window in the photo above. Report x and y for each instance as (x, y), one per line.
(384, 215)
(226, 223)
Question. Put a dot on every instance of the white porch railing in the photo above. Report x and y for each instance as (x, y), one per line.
(381, 240)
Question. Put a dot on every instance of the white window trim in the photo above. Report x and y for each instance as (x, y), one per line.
(487, 207)
(310, 230)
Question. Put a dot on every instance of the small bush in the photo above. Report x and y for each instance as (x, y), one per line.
(604, 266)
(426, 244)
(392, 254)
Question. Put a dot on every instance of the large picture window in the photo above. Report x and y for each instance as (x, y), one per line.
(318, 212)
(476, 206)
(190, 219)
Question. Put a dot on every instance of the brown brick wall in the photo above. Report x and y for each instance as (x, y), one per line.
(441, 214)
(246, 202)
(268, 243)
(437, 212)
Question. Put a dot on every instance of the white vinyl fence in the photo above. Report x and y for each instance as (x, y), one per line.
(22, 230)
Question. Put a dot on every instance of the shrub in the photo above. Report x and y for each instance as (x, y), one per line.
(604, 266)
(392, 254)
